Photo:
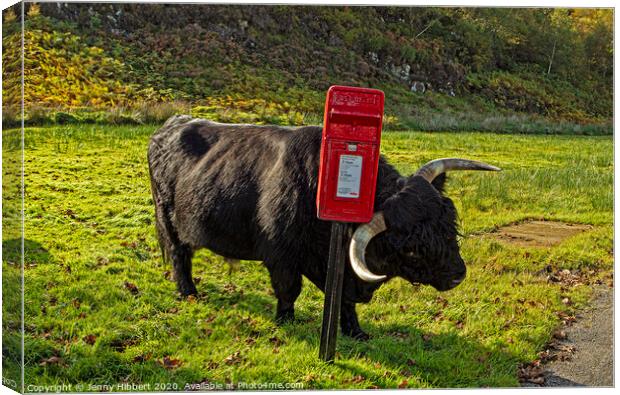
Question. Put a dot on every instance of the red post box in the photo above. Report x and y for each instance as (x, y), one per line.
(349, 154)
(347, 183)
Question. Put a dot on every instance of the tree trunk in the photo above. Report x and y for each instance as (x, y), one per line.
(552, 55)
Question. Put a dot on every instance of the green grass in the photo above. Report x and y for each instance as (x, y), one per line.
(89, 230)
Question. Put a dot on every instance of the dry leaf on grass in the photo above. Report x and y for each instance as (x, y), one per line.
(276, 341)
(170, 363)
(53, 360)
(355, 379)
(142, 357)
(532, 372)
(131, 288)
(233, 359)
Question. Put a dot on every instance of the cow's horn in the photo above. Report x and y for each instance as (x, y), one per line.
(357, 249)
(435, 167)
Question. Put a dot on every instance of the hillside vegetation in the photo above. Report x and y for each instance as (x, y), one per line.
(514, 70)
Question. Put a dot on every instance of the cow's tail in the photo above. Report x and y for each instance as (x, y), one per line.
(162, 223)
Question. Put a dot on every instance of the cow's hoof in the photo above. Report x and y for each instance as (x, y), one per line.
(284, 317)
(184, 292)
(359, 335)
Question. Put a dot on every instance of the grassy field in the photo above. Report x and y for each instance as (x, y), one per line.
(101, 308)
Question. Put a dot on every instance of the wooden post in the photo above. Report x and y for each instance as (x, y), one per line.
(333, 292)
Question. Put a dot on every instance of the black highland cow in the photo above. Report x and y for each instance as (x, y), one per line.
(249, 192)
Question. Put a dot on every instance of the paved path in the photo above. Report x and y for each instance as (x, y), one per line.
(592, 335)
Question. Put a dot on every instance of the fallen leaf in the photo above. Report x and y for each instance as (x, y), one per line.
(356, 379)
(89, 339)
(411, 362)
(170, 363)
(546, 356)
(69, 213)
(132, 245)
(532, 372)
(54, 360)
(230, 288)
(399, 335)
(508, 323)
(131, 288)
(120, 345)
(560, 334)
(443, 302)
(102, 261)
(276, 341)
(142, 357)
(233, 358)
(403, 384)
(427, 337)
(566, 318)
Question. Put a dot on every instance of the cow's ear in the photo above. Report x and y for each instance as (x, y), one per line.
(398, 221)
(439, 182)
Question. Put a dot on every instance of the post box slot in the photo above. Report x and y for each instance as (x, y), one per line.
(338, 116)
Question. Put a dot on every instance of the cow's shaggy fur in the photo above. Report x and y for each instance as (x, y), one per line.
(248, 192)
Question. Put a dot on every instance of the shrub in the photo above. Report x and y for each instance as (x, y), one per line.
(63, 118)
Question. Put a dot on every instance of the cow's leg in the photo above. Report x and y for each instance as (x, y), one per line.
(349, 324)
(171, 247)
(182, 265)
(286, 283)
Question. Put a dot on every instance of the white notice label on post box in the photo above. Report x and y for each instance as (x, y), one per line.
(349, 176)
